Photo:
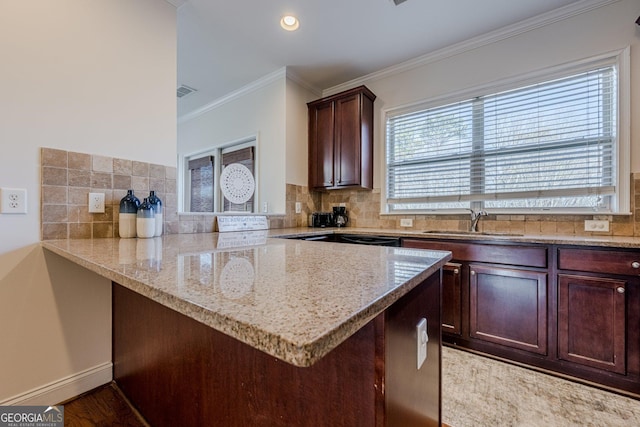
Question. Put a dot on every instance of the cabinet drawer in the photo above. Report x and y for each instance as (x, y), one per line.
(599, 261)
(529, 256)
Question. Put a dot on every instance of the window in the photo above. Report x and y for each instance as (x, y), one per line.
(243, 156)
(201, 194)
(202, 173)
(550, 145)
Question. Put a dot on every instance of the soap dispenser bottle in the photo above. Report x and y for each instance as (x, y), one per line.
(156, 203)
(127, 216)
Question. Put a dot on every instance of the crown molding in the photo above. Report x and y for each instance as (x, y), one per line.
(504, 33)
(177, 3)
(294, 77)
(251, 87)
(266, 80)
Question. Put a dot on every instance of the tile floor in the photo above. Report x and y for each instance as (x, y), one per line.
(478, 392)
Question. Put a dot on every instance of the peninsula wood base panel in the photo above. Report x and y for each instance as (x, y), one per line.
(177, 371)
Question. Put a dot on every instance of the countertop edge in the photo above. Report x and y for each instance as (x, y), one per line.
(304, 355)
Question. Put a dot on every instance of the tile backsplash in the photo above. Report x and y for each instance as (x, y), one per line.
(68, 177)
(363, 209)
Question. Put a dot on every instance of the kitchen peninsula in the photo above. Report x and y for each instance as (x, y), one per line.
(243, 329)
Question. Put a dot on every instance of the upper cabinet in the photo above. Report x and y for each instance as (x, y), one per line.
(341, 140)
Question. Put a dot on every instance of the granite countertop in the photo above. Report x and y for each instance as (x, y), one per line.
(295, 300)
(594, 240)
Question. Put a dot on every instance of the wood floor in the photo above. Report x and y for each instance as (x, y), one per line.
(104, 406)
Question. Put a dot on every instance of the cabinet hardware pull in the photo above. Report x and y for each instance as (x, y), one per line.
(635, 264)
(456, 271)
(473, 273)
(620, 290)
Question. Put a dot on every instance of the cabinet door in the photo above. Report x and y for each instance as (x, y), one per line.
(508, 306)
(321, 145)
(347, 142)
(591, 321)
(451, 298)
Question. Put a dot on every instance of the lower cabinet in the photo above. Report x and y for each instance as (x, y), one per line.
(494, 296)
(452, 298)
(599, 314)
(573, 310)
(592, 321)
(508, 306)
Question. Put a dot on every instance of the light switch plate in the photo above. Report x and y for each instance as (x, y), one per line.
(421, 340)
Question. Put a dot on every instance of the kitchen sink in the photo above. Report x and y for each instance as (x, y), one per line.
(474, 233)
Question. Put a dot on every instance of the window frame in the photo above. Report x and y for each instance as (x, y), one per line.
(216, 152)
(620, 201)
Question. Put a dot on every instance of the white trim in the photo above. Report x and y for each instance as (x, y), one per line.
(64, 388)
(216, 151)
(513, 82)
(504, 33)
(620, 57)
(251, 87)
(294, 77)
(513, 30)
(177, 3)
(624, 132)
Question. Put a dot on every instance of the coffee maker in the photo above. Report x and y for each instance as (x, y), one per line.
(340, 218)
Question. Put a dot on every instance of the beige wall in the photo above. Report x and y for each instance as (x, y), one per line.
(94, 77)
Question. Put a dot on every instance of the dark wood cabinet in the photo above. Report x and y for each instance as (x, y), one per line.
(493, 295)
(592, 321)
(508, 306)
(341, 140)
(179, 372)
(452, 298)
(599, 314)
(574, 310)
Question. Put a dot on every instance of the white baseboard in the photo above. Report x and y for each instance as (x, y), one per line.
(64, 388)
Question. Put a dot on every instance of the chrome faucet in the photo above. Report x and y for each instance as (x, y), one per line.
(475, 218)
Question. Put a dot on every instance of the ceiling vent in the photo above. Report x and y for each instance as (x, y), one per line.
(185, 90)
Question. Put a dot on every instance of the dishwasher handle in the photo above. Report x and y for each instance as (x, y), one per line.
(371, 240)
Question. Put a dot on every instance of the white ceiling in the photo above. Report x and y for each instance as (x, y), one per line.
(225, 45)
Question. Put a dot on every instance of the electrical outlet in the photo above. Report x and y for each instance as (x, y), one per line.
(596, 225)
(406, 222)
(421, 340)
(13, 200)
(265, 207)
(96, 202)
(298, 207)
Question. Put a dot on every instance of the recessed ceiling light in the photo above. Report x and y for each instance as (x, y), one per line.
(289, 23)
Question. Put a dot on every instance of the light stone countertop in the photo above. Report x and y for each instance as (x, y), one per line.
(295, 300)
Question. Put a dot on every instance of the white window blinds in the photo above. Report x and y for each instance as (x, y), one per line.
(543, 146)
